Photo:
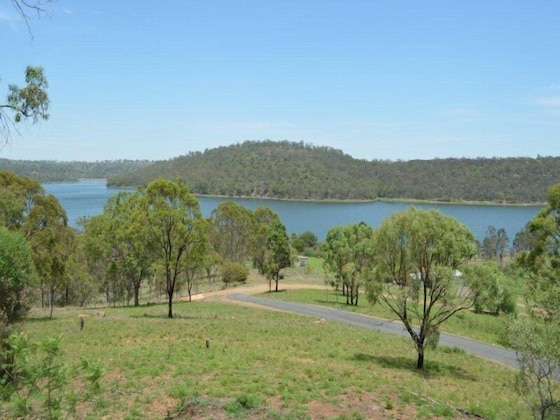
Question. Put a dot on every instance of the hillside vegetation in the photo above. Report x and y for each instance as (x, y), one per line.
(55, 171)
(291, 170)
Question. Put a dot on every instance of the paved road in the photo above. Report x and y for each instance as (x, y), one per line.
(487, 351)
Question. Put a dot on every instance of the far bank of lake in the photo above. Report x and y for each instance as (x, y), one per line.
(87, 198)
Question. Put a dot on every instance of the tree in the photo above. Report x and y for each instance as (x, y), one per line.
(489, 243)
(491, 287)
(17, 276)
(348, 252)
(277, 255)
(535, 337)
(177, 233)
(231, 226)
(127, 237)
(304, 242)
(25, 7)
(98, 253)
(502, 242)
(271, 245)
(536, 344)
(52, 241)
(524, 240)
(417, 255)
(17, 198)
(28, 102)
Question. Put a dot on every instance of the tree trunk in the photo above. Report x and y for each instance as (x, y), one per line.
(51, 304)
(420, 362)
(276, 280)
(136, 294)
(170, 306)
(170, 302)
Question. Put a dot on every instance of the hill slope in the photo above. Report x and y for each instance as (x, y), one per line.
(54, 171)
(302, 171)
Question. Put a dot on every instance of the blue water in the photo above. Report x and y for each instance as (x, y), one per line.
(87, 198)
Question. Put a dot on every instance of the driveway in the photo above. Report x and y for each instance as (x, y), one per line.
(480, 349)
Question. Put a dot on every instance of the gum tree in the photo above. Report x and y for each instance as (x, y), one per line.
(415, 273)
(17, 276)
(348, 252)
(535, 337)
(177, 232)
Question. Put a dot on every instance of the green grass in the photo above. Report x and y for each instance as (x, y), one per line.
(268, 364)
(483, 327)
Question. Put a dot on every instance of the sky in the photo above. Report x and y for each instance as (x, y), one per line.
(379, 80)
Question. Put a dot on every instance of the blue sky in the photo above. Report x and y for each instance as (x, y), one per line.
(377, 79)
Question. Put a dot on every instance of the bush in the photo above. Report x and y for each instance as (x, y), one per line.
(233, 272)
(36, 383)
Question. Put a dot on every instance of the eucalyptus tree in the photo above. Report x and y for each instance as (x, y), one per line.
(535, 337)
(271, 245)
(17, 198)
(128, 239)
(348, 252)
(118, 239)
(96, 242)
(415, 273)
(30, 102)
(177, 232)
(52, 242)
(230, 231)
(277, 255)
(492, 288)
(17, 276)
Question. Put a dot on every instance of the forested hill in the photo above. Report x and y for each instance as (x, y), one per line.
(303, 171)
(54, 171)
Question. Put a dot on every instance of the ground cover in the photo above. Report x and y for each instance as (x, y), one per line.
(484, 327)
(223, 360)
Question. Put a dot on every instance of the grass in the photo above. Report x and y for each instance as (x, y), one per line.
(267, 364)
(483, 327)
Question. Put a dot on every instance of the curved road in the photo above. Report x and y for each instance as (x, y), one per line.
(487, 351)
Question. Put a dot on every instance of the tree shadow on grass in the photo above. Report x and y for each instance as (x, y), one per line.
(39, 319)
(164, 316)
(431, 368)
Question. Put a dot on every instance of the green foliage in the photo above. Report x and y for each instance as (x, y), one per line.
(536, 343)
(348, 252)
(417, 255)
(233, 272)
(177, 233)
(271, 245)
(303, 171)
(231, 228)
(28, 102)
(493, 289)
(17, 276)
(535, 337)
(55, 171)
(37, 383)
(242, 405)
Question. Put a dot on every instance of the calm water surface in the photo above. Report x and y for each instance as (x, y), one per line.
(87, 198)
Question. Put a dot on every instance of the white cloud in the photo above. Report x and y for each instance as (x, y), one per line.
(547, 101)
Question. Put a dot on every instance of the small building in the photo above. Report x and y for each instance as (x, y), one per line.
(302, 261)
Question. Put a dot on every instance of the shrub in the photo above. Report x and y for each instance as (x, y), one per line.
(234, 272)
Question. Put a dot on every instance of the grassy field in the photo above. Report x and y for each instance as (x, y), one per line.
(265, 364)
(219, 360)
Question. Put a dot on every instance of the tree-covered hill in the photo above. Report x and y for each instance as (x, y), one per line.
(55, 171)
(302, 171)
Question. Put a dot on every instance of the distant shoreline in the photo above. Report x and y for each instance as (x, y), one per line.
(342, 201)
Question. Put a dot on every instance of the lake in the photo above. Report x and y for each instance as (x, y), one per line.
(87, 198)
